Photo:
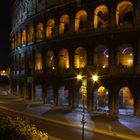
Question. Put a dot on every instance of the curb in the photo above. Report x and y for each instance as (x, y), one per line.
(95, 130)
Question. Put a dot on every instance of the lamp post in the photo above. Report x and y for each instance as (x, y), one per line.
(84, 94)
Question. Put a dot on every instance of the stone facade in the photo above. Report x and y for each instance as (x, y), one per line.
(54, 40)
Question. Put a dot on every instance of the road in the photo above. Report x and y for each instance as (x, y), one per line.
(60, 131)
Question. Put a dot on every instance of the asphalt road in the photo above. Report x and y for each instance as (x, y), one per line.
(60, 131)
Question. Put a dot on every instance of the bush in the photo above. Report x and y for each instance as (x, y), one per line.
(19, 129)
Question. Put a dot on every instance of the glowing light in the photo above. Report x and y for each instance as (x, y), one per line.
(79, 77)
(95, 78)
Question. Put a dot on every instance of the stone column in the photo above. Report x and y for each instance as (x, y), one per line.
(33, 75)
(71, 59)
(71, 94)
(72, 22)
(138, 56)
(90, 19)
(136, 4)
(55, 88)
(90, 96)
(113, 101)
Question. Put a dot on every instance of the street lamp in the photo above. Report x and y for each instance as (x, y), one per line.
(84, 93)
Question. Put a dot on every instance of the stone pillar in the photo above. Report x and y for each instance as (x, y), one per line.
(56, 60)
(44, 29)
(33, 75)
(55, 88)
(112, 12)
(136, 97)
(57, 26)
(90, 19)
(34, 38)
(71, 94)
(72, 22)
(90, 96)
(71, 59)
(136, 4)
(138, 56)
(26, 35)
(113, 101)
(89, 57)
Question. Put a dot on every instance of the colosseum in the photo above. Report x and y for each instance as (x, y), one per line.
(55, 41)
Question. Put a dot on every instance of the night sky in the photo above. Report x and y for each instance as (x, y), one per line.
(5, 29)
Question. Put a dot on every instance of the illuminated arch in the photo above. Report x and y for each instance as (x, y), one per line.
(80, 58)
(38, 61)
(64, 24)
(124, 12)
(101, 56)
(126, 101)
(50, 28)
(80, 20)
(63, 59)
(23, 37)
(50, 59)
(30, 34)
(39, 31)
(101, 16)
(101, 99)
(125, 55)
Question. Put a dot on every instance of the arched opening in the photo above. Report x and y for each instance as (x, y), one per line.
(101, 16)
(50, 95)
(64, 25)
(101, 56)
(63, 59)
(39, 31)
(63, 96)
(50, 28)
(100, 100)
(38, 61)
(50, 60)
(38, 92)
(23, 37)
(30, 34)
(125, 56)
(80, 58)
(80, 20)
(126, 101)
(124, 13)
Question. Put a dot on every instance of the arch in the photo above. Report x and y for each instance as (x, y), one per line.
(39, 31)
(50, 28)
(63, 96)
(80, 57)
(63, 59)
(101, 16)
(125, 55)
(64, 25)
(30, 34)
(101, 56)
(124, 13)
(126, 101)
(80, 20)
(38, 61)
(49, 97)
(100, 99)
(23, 37)
(50, 59)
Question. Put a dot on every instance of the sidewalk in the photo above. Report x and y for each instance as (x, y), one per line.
(126, 127)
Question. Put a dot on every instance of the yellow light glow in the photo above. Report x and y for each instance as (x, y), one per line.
(95, 78)
(79, 77)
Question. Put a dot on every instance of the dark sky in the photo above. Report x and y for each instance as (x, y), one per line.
(4, 31)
